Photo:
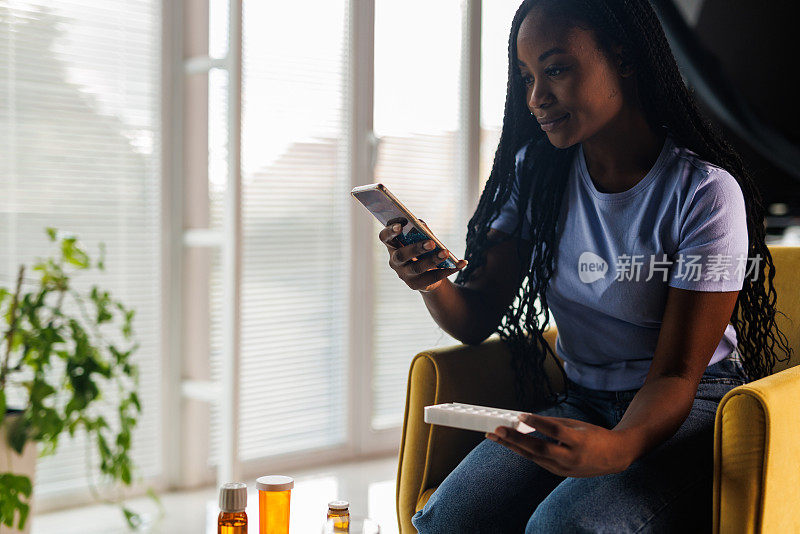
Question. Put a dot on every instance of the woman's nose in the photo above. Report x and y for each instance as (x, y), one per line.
(540, 97)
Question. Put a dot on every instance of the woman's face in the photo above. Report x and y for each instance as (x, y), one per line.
(568, 79)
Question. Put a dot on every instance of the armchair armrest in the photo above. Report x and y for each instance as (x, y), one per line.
(756, 456)
(473, 374)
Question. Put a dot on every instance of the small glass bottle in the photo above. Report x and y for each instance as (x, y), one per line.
(339, 514)
(232, 504)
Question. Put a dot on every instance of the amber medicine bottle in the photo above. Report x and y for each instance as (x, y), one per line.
(339, 515)
(232, 504)
(274, 500)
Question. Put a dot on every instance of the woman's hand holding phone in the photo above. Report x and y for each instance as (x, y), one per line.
(415, 264)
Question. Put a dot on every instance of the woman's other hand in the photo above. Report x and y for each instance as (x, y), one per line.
(580, 449)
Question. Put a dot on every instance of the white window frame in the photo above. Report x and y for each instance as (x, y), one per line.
(188, 387)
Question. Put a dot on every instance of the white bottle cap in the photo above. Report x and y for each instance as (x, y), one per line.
(233, 497)
(338, 505)
(274, 483)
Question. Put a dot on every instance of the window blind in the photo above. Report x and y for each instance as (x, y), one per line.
(295, 210)
(496, 20)
(417, 100)
(79, 151)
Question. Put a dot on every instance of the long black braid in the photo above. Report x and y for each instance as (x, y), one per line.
(667, 103)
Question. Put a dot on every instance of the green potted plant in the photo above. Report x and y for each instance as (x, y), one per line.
(67, 372)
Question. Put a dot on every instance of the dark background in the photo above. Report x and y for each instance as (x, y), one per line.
(756, 44)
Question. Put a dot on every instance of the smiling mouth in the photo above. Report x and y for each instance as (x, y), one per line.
(547, 126)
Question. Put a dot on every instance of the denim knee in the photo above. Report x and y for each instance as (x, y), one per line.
(549, 518)
(542, 521)
(444, 516)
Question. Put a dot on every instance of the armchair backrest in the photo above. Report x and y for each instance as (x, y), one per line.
(787, 270)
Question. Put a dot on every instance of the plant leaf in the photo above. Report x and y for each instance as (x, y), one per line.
(13, 488)
(133, 519)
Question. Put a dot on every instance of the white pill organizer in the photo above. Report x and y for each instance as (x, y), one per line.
(471, 417)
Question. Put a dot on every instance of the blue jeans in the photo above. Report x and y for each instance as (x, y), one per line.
(494, 490)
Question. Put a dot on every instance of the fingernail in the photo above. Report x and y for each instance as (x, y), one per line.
(443, 254)
(429, 245)
(396, 227)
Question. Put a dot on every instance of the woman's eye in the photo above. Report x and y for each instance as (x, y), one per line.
(555, 71)
(527, 79)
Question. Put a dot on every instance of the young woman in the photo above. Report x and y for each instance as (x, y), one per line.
(615, 205)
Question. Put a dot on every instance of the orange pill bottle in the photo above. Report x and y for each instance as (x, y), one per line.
(274, 498)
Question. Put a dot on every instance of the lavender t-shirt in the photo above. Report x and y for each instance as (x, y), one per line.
(683, 225)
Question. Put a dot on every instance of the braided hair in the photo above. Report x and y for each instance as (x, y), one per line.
(667, 103)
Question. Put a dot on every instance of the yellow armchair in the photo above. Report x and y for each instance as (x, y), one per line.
(757, 459)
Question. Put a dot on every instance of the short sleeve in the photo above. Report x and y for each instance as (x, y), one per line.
(508, 217)
(713, 246)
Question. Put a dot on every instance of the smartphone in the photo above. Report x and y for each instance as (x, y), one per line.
(389, 210)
